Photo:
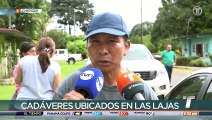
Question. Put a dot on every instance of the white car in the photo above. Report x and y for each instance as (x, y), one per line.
(62, 55)
(141, 61)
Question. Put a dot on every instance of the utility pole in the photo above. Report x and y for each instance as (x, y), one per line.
(74, 34)
(141, 24)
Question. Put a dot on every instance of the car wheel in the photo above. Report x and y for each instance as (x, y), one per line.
(71, 61)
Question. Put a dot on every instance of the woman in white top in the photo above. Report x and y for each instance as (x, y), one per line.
(38, 75)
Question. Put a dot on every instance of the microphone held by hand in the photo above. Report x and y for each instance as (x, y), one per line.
(130, 86)
(89, 83)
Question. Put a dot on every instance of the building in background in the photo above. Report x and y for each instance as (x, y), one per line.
(9, 55)
(197, 45)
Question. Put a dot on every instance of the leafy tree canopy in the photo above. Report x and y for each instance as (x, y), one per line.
(146, 29)
(176, 19)
(72, 11)
(31, 24)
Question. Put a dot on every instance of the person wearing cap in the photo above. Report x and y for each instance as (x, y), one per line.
(107, 40)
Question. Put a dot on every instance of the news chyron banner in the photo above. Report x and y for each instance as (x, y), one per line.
(9, 11)
(108, 105)
(106, 108)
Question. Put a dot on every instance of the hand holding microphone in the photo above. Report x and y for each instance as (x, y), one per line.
(73, 95)
(130, 86)
(88, 85)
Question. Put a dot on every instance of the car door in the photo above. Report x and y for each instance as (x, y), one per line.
(194, 85)
(208, 93)
(59, 54)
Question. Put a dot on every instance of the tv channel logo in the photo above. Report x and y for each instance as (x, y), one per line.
(87, 75)
(18, 11)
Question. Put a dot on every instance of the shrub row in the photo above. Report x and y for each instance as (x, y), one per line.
(185, 61)
(194, 61)
(210, 56)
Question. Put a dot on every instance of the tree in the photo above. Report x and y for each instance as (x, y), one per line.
(176, 19)
(58, 37)
(4, 19)
(72, 12)
(135, 39)
(170, 22)
(42, 23)
(43, 18)
(80, 46)
(4, 23)
(146, 29)
(31, 24)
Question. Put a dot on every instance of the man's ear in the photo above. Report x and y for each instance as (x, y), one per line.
(128, 43)
(127, 47)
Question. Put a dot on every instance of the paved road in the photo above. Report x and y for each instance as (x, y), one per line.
(179, 72)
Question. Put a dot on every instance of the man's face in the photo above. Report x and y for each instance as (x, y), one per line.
(169, 47)
(106, 51)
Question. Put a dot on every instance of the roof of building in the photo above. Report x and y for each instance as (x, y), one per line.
(14, 33)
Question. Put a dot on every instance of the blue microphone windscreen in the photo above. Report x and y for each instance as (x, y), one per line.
(90, 82)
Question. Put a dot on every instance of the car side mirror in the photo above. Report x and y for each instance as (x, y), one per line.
(157, 57)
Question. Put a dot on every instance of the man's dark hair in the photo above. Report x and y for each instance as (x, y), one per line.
(125, 38)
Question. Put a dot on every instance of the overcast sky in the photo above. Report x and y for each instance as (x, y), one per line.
(130, 10)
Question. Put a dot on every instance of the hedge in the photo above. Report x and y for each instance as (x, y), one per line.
(185, 61)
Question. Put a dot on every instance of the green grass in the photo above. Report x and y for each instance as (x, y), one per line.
(6, 92)
(68, 69)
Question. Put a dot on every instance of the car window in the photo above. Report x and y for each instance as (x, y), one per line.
(190, 87)
(61, 52)
(138, 53)
(208, 95)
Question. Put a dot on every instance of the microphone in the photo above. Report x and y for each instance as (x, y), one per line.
(130, 86)
(90, 82)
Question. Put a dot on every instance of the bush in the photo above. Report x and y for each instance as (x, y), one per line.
(80, 47)
(197, 63)
(210, 56)
(135, 39)
(151, 48)
(177, 52)
(185, 61)
(147, 42)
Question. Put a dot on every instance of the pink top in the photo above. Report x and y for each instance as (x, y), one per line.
(15, 72)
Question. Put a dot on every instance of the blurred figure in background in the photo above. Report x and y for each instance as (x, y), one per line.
(38, 75)
(26, 48)
(168, 58)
